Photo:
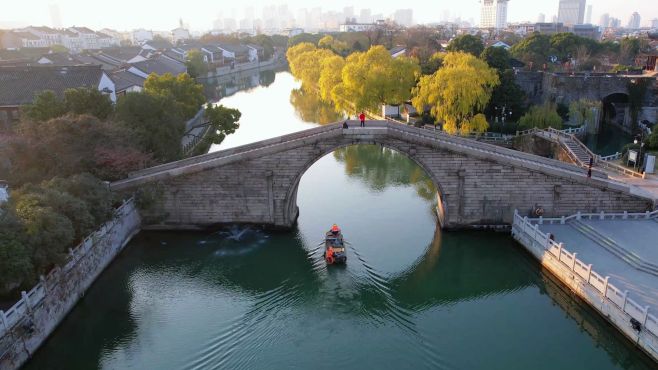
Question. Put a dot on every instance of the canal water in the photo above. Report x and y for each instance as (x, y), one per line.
(410, 296)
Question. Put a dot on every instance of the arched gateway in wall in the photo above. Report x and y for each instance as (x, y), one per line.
(478, 184)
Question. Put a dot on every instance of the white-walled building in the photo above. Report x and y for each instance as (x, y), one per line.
(493, 14)
(356, 27)
(179, 34)
(141, 35)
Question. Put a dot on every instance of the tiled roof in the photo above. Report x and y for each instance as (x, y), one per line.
(124, 79)
(122, 54)
(82, 30)
(25, 35)
(160, 66)
(44, 29)
(19, 85)
(91, 59)
(62, 59)
(238, 49)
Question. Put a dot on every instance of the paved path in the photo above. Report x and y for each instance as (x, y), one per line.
(639, 237)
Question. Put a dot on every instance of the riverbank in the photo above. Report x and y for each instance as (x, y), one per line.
(25, 326)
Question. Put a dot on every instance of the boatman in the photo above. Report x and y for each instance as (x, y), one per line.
(335, 229)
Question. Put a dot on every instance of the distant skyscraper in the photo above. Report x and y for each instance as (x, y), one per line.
(634, 21)
(588, 15)
(493, 14)
(55, 16)
(541, 18)
(404, 17)
(615, 22)
(605, 20)
(365, 16)
(571, 12)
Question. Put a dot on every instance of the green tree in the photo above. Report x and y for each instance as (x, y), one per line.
(88, 101)
(457, 93)
(181, 91)
(70, 145)
(155, 122)
(533, 50)
(46, 105)
(223, 121)
(581, 112)
(373, 78)
(16, 267)
(508, 96)
(542, 116)
(498, 58)
(49, 233)
(90, 190)
(467, 44)
(196, 64)
(433, 64)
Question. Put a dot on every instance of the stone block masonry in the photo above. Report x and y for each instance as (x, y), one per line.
(30, 321)
(479, 184)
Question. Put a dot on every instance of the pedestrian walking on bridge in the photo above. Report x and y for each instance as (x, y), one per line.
(362, 117)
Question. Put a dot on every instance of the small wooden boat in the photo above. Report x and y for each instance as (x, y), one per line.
(334, 247)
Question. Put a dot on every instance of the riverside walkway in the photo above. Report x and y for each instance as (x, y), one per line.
(609, 260)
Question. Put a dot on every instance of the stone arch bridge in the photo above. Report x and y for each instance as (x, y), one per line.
(478, 184)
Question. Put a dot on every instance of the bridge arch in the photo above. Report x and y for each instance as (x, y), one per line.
(292, 211)
(613, 107)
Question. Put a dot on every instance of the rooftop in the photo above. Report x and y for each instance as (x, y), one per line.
(160, 65)
(19, 85)
(124, 80)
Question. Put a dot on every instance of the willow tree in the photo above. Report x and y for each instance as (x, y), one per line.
(458, 92)
(305, 63)
(331, 75)
(373, 78)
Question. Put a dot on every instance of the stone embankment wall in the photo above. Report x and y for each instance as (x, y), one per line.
(30, 321)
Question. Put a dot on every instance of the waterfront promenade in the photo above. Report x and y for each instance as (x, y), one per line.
(609, 260)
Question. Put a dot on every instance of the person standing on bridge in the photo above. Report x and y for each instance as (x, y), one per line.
(362, 117)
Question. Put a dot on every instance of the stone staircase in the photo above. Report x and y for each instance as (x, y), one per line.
(577, 151)
(611, 246)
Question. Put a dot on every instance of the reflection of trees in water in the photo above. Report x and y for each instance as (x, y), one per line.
(267, 77)
(311, 108)
(380, 167)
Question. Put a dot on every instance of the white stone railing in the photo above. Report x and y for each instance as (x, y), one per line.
(116, 228)
(607, 291)
(595, 216)
(608, 158)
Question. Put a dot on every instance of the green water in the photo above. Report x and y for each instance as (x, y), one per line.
(410, 296)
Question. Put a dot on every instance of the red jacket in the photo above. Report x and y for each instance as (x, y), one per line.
(362, 117)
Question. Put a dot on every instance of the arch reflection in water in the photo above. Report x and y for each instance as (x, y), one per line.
(410, 296)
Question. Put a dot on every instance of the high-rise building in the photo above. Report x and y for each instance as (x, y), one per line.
(634, 21)
(365, 16)
(654, 23)
(404, 17)
(588, 15)
(493, 14)
(615, 22)
(571, 12)
(605, 20)
(55, 16)
(541, 18)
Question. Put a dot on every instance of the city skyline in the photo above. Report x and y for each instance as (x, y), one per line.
(126, 15)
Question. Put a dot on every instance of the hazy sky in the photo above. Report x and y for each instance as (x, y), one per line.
(199, 14)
